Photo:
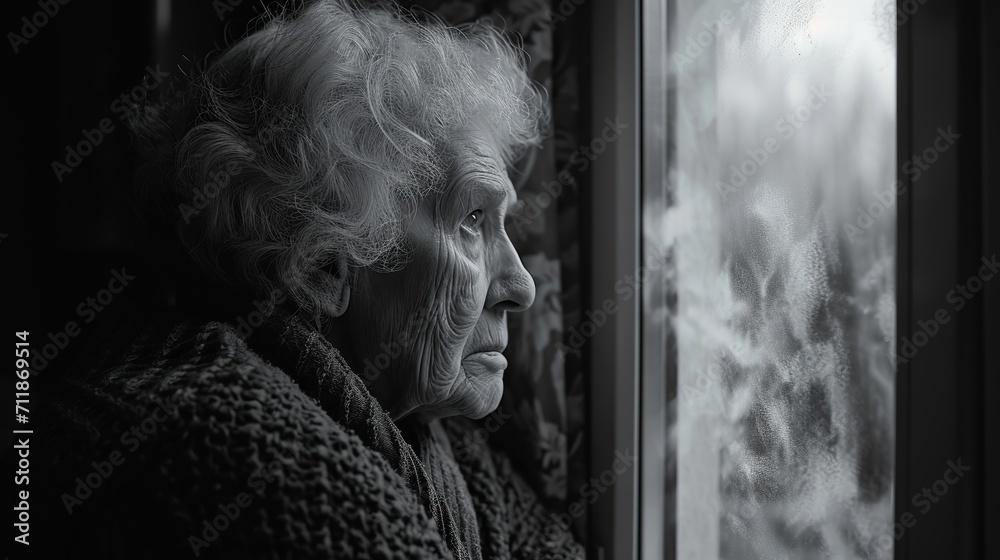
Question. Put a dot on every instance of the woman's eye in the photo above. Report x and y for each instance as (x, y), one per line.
(473, 221)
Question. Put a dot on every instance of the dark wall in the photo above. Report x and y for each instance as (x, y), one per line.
(65, 222)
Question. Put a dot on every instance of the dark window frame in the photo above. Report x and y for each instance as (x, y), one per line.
(946, 222)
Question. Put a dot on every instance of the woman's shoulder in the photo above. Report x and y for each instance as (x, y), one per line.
(178, 422)
(191, 372)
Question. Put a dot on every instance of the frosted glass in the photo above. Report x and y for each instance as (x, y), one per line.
(782, 224)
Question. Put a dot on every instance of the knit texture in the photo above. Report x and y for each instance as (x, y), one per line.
(177, 438)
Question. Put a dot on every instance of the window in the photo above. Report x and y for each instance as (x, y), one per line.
(767, 375)
(771, 188)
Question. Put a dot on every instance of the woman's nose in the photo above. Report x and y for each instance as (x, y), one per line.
(511, 287)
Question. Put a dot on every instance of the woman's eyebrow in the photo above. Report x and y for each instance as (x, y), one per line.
(488, 192)
(478, 178)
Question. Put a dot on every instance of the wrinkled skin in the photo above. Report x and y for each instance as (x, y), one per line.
(427, 339)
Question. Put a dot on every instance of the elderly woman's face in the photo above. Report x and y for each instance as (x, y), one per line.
(428, 338)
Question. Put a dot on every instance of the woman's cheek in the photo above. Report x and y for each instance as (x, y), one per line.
(469, 287)
(459, 314)
(458, 308)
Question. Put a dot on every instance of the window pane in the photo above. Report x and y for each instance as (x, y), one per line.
(781, 150)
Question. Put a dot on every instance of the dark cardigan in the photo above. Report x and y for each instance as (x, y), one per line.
(181, 439)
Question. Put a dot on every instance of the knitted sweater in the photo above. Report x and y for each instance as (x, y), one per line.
(180, 439)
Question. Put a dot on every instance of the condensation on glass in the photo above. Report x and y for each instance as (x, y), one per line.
(775, 201)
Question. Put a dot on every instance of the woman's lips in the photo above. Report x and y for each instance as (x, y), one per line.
(486, 362)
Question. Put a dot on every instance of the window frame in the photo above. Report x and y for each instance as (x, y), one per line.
(944, 75)
(614, 242)
(944, 225)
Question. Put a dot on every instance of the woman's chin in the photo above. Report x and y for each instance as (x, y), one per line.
(483, 390)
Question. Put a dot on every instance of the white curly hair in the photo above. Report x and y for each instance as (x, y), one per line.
(318, 134)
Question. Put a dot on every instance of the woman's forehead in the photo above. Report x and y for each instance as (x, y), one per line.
(476, 158)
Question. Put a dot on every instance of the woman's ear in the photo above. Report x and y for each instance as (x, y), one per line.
(337, 288)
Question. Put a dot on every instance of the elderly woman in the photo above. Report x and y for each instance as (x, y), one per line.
(337, 185)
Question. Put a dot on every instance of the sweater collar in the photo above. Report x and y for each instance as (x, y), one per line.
(288, 342)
